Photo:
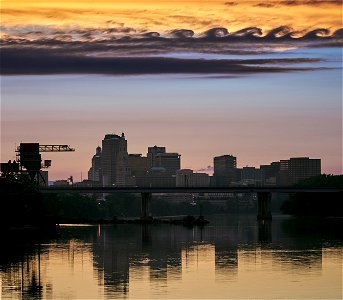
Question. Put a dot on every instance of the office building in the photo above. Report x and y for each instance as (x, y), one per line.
(187, 178)
(158, 157)
(224, 170)
(138, 165)
(156, 177)
(291, 171)
(300, 168)
(184, 178)
(114, 161)
(152, 152)
(271, 173)
(252, 176)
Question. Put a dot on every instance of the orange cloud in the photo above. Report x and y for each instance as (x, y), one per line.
(163, 16)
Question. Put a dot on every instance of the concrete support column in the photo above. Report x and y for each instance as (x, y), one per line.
(263, 204)
(146, 206)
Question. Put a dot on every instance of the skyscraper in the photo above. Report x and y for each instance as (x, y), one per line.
(224, 169)
(114, 160)
(94, 172)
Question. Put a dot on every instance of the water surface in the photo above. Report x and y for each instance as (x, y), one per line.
(235, 257)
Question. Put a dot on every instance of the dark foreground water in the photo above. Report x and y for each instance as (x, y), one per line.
(235, 257)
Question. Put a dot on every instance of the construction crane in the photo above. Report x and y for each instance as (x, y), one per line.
(30, 159)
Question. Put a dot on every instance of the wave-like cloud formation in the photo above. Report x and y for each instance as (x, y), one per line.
(218, 33)
(125, 51)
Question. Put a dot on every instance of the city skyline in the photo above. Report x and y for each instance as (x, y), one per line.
(114, 165)
(209, 169)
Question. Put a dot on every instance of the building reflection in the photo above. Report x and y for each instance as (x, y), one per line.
(264, 231)
(118, 261)
(24, 276)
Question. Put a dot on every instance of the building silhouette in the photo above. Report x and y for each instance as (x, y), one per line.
(95, 173)
(252, 175)
(113, 166)
(224, 170)
(159, 158)
(138, 165)
(114, 160)
(271, 173)
(291, 171)
(300, 168)
(187, 178)
(151, 155)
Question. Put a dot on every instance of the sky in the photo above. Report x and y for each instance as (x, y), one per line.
(259, 80)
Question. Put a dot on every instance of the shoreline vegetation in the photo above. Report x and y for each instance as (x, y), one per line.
(316, 204)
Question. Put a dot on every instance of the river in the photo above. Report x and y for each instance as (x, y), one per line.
(234, 257)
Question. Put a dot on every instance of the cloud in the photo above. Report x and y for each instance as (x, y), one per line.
(231, 3)
(273, 4)
(217, 32)
(182, 33)
(280, 32)
(317, 33)
(208, 169)
(45, 61)
(298, 3)
(310, 2)
(266, 5)
(338, 33)
(248, 32)
(122, 50)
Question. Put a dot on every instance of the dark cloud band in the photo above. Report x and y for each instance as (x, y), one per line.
(17, 61)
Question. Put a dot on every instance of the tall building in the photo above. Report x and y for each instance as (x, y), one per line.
(159, 158)
(224, 169)
(94, 173)
(114, 160)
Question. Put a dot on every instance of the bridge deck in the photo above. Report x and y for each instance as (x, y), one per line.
(180, 190)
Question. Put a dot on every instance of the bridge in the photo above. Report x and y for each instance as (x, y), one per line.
(263, 194)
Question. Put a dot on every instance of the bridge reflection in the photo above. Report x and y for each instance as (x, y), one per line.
(264, 194)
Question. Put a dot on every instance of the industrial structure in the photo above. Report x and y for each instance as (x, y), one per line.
(22, 212)
(29, 161)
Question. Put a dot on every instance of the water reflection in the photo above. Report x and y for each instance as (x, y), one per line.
(234, 257)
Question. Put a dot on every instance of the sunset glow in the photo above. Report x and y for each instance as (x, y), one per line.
(163, 16)
(260, 80)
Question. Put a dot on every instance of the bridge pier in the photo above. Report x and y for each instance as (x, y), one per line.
(146, 206)
(263, 204)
